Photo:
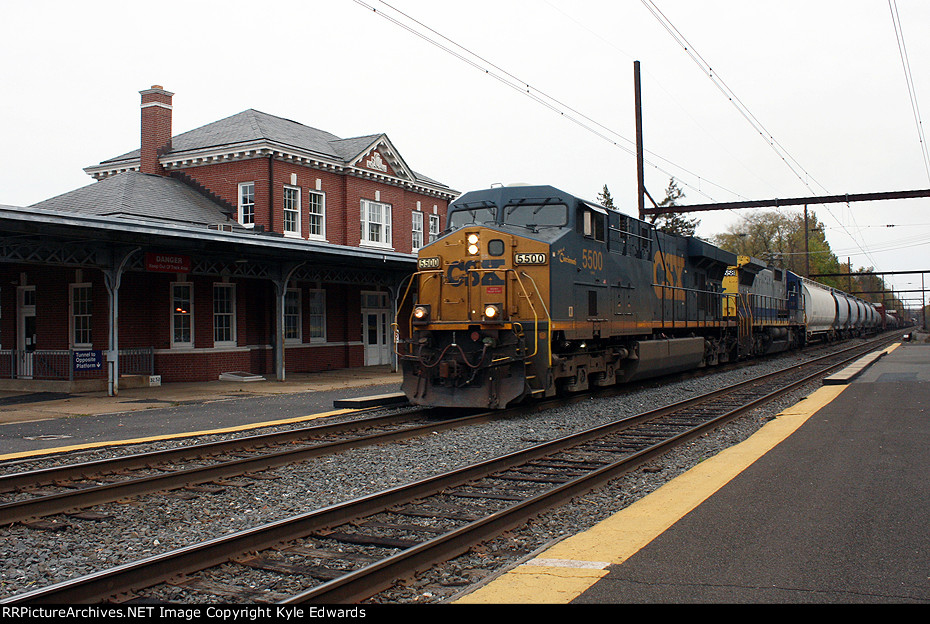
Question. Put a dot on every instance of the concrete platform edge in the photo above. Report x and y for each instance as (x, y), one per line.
(855, 369)
(570, 567)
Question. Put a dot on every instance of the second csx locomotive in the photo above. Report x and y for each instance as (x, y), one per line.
(533, 291)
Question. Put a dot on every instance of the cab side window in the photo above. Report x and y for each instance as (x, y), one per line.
(591, 224)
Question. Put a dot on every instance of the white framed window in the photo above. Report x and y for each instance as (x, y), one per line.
(182, 314)
(81, 316)
(292, 211)
(433, 227)
(416, 239)
(292, 316)
(247, 204)
(224, 314)
(316, 210)
(376, 223)
(317, 315)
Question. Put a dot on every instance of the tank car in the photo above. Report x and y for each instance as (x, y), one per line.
(822, 316)
(532, 290)
(884, 318)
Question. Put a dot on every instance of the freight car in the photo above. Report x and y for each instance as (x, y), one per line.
(780, 310)
(532, 291)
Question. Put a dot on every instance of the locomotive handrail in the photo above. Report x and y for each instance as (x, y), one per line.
(546, 310)
(396, 324)
(718, 297)
(528, 301)
(769, 308)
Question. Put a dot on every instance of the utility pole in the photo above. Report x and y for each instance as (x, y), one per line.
(807, 250)
(641, 185)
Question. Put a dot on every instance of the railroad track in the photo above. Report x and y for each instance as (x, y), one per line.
(82, 485)
(350, 551)
(29, 496)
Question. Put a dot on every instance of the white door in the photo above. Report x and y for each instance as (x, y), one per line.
(25, 330)
(376, 328)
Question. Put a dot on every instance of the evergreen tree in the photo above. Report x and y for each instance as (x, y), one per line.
(605, 199)
(674, 222)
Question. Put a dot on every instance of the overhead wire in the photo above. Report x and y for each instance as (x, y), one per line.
(782, 153)
(706, 68)
(670, 95)
(909, 79)
(571, 114)
(494, 71)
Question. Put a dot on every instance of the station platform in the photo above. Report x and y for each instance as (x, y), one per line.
(827, 503)
(34, 423)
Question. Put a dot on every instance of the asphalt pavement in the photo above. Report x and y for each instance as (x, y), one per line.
(34, 422)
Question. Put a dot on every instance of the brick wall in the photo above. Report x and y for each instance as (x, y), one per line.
(343, 198)
(145, 321)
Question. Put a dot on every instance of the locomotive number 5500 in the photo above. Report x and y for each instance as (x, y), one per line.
(592, 260)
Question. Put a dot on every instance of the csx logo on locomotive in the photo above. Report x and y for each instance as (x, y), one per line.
(669, 271)
(456, 272)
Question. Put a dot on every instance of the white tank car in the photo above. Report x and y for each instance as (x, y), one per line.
(820, 309)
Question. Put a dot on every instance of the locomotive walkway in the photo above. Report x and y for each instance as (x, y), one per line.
(826, 504)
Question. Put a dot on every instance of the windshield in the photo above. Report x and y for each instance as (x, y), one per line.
(475, 216)
(538, 215)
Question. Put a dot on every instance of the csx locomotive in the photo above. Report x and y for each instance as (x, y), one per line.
(533, 291)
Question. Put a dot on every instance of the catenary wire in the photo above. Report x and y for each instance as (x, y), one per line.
(537, 95)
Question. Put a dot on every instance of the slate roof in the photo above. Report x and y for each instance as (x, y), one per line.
(252, 127)
(140, 196)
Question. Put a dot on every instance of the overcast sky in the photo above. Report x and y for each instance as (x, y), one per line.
(824, 79)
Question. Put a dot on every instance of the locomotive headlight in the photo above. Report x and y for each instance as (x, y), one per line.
(421, 314)
(492, 312)
(472, 244)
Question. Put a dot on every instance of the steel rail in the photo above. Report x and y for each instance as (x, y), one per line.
(86, 470)
(84, 497)
(153, 570)
(367, 581)
(66, 502)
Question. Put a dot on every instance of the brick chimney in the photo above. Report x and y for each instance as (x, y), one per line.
(156, 128)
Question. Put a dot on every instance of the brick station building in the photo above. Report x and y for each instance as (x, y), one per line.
(252, 244)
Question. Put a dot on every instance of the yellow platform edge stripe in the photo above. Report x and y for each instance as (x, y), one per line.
(570, 567)
(172, 436)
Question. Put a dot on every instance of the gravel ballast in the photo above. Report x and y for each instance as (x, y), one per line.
(159, 523)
